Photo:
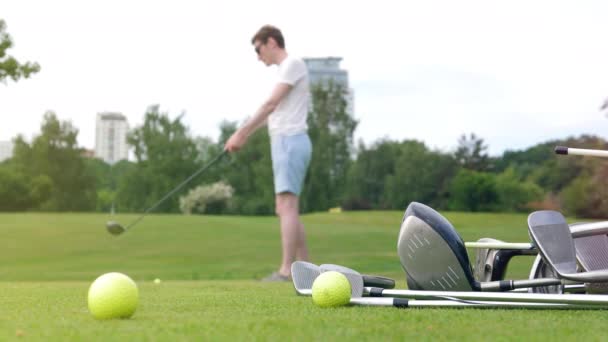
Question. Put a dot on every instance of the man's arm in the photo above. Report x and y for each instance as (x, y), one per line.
(238, 139)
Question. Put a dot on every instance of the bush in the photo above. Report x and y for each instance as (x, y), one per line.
(210, 199)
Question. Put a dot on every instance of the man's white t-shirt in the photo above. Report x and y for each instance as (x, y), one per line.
(289, 118)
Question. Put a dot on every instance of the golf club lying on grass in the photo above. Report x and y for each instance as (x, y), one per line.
(310, 271)
(304, 274)
(591, 245)
(116, 228)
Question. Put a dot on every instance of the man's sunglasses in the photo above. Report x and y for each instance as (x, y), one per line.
(257, 49)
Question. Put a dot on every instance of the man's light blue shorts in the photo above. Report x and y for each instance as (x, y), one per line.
(290, 158)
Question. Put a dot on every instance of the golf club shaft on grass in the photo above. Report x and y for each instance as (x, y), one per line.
(304, 274)
(594, 301)
(409, 303)
(177, 188)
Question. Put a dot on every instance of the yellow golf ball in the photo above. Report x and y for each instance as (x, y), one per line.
(113, 295)
(331, 289)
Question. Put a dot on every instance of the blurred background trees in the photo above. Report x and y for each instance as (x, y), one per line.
(53, 174)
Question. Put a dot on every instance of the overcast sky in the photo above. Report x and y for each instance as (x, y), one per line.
(515, 73)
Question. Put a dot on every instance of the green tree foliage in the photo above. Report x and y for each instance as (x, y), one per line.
(513, 193)
(166, 155)
(473, 191)
(391, 174)
(472, 154)
(420, 175)
(587, 195)
(107, 179)
(331, 129)
(558, 171)
(249, 172)
(366, 178)
(577, 197)
(55, 169)
(9, 66)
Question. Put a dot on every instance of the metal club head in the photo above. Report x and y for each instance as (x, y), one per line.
(354, 278)
(303, 274)
(432, 253)
(115, 228)
(551, 235)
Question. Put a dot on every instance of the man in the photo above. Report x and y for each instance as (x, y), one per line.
(285, 113)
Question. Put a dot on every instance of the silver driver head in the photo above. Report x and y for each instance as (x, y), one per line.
(114, 228)
(432, 253)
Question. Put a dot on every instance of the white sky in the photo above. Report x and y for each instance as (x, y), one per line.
(515, 73)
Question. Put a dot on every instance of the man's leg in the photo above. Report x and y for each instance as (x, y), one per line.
(293, 237)
(302, 248)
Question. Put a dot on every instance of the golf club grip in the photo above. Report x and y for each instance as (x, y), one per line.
(378, 281)
(580, 151)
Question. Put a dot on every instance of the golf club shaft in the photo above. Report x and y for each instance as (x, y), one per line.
(578, 230)
(177, 188)
(577, 299)
(408, 303)
(581, 151)
(500, 245)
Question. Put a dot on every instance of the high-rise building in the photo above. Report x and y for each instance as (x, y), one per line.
(326, 70)
(6, 150)
(111, 137)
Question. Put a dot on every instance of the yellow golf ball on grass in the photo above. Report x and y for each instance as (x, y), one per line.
(331, 289)
(113, 295)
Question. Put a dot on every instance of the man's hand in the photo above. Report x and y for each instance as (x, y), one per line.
(235, 142)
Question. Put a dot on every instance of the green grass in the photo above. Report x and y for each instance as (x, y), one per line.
(208, 266)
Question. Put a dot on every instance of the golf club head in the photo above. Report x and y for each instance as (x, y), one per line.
(368, 279)
(551, 234)
(432, 253)
(491, 264)
(114, 228)
(354, 278)
(484, 261)
(592, 254)
(303, 275)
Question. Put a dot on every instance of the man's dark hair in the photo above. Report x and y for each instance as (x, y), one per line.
(269, 31)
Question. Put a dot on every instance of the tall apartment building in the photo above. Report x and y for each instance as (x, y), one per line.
(323, 70)
(6, 150)
(111, 137)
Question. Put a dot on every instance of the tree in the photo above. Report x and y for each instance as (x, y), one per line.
(390, 174)
(249, 172)
(367, 176)
(514, 193)
(420, 175)
(55, 168)
(473, 191)
(471, 153)
(107, 178)
(9, 66)
(331, 129)
(166, 154)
